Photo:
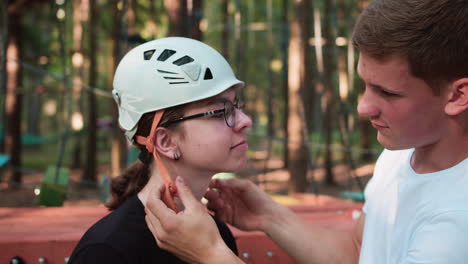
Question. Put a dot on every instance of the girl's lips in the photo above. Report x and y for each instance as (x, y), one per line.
(377, 126)
(242, 144)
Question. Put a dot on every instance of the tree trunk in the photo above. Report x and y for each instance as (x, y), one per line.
(345, 60)
(317, 105)
(308, 90)
(90, 172)
(298, 156)
(271, 89)
(118, 144)
(3, 73)
(33, 102)
(329, 67)
(239, 57)
(152, 18)
(13, 101)
(284, 48)
(178, 19)
(77, 62)
(226, 30)
(196, 14)
(131, 17)
(240, 60)
(364, 125)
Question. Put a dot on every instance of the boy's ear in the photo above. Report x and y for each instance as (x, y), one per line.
(165, 143)
(458, 97)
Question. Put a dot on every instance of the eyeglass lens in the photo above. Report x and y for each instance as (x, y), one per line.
(229, 114)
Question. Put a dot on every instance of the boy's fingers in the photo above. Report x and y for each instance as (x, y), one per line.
(154, 225)
(212, 195)
(185, 194)
(152, 222)
(158, 208)
(215, 205)
(237, 184)
(214, 183)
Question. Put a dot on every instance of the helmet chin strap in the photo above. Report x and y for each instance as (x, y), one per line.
(149, 143)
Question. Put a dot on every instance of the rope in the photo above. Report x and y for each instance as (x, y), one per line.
(39, 70)
(314, 145)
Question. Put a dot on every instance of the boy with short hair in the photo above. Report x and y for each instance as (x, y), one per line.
(414, 62)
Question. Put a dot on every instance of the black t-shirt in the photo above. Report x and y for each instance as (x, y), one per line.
(123, 237)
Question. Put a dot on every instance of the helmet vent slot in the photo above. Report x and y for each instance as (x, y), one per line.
(168, 72)
(208, 74)
(173, 78)
(166, 54)
(148, 54)
(184, 60)
(177, 82)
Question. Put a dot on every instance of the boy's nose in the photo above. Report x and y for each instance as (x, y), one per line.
(367, 107)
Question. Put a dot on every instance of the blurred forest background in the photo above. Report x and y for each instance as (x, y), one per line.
(58, 57)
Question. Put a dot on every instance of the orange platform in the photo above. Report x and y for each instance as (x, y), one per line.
(52, 233)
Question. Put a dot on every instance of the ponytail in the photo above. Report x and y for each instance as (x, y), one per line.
(132, 181)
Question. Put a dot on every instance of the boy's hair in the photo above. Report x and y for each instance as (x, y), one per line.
(431, 34)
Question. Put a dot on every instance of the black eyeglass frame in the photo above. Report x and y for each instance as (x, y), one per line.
(208, 113)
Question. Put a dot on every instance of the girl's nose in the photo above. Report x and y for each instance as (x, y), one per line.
(243, 121)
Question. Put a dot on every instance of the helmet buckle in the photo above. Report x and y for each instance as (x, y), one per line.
(116, 96)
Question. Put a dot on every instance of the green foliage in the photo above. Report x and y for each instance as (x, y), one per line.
(250, 54)
(39, 157)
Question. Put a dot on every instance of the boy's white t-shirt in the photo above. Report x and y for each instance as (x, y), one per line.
(415, 218)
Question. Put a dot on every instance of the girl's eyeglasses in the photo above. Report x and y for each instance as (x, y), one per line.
(229, 112)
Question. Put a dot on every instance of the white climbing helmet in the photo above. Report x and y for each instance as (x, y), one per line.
(167, 72)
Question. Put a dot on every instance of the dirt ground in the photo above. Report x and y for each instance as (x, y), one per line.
(269, 175)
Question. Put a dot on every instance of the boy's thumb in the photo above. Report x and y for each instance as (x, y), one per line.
(184, 193)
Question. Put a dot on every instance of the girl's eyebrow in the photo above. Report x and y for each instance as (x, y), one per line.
(219, 99)
(215, 100)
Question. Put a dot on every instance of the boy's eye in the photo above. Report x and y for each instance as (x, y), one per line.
(388, 94)
(384, 92)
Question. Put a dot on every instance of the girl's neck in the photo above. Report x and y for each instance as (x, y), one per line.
(197, 181)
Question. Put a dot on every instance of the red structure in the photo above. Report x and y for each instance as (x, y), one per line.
(48, 235)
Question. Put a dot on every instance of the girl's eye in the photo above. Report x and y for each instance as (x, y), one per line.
(219, 115)
(239, 104)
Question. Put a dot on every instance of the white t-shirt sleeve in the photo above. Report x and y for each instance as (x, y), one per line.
(442, 240)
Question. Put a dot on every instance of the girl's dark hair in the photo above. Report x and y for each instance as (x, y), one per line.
(135, 177)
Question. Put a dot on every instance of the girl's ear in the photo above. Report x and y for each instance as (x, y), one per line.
(166, 142)
(458, 97)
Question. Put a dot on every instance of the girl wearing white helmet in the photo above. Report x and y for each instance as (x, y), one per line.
(177, 103)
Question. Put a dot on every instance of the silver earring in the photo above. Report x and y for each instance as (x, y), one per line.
(176, 156)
